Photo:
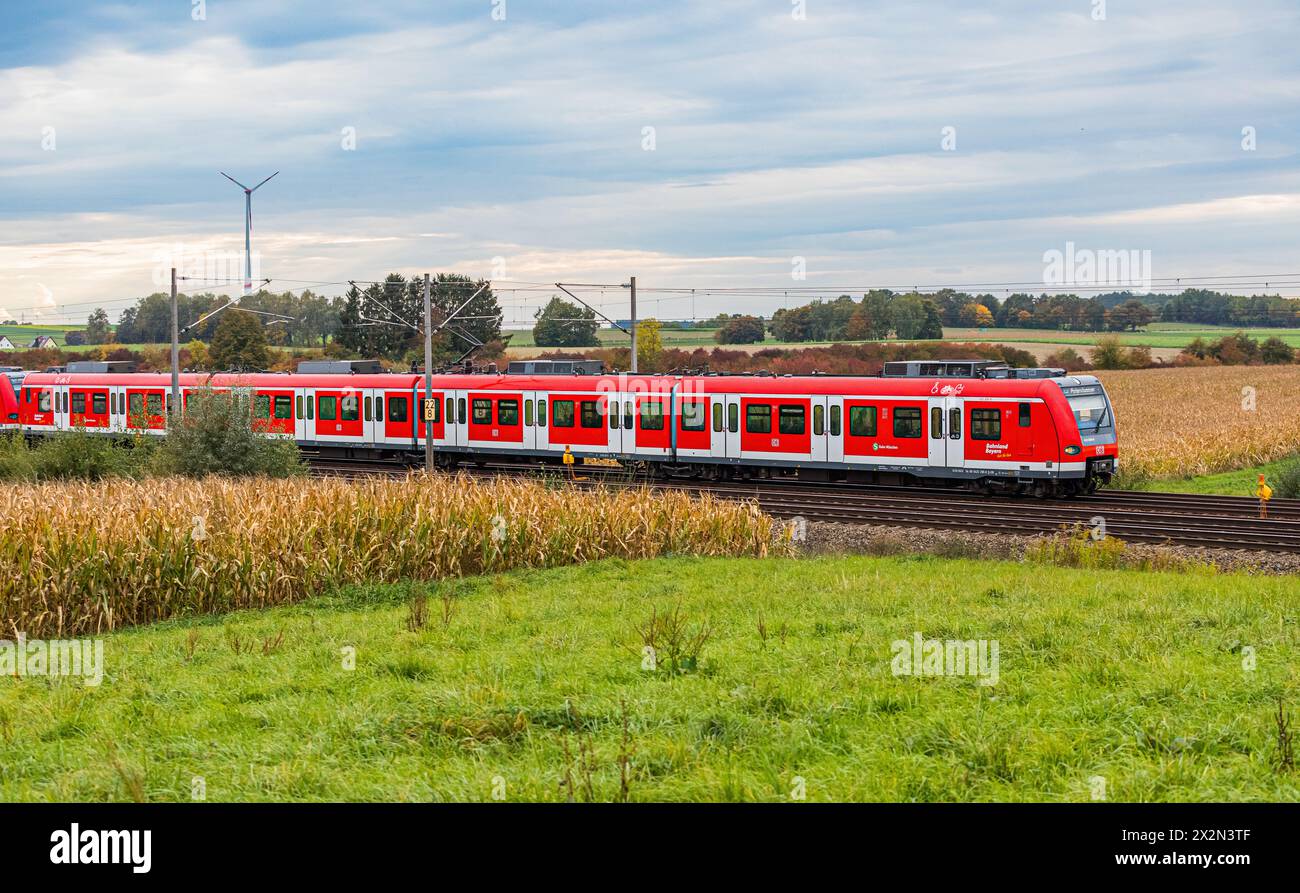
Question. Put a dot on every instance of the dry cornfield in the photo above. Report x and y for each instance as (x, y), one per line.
(1203, 420)
(79, 558)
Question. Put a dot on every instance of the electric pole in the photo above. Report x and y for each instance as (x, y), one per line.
(428, 375)
(634, 324)
(176, 358)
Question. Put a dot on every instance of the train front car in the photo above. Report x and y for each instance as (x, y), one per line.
(1090, 440)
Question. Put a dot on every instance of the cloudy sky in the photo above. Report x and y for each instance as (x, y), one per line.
(700, 144)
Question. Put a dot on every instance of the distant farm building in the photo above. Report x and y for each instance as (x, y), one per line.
(41, 342)
(5, 343)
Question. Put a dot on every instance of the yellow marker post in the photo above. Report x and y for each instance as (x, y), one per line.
(1265, 493)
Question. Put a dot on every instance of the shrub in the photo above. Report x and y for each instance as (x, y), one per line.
(1274, 351)
(84, 456)
(1288, 482)
(16, 463)
(216, 435)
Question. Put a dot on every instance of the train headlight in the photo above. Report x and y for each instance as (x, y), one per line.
(1072, 450)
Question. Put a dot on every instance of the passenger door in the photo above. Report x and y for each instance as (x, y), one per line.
(935, 430)
(956, 431)
(834, 429)
(733, 421)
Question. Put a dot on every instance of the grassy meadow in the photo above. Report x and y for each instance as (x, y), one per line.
(534, 685)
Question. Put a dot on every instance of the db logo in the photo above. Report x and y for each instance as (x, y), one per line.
(776, 441)
(496, 433)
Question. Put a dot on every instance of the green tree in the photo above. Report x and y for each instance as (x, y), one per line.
(932, 325)
(562, 323)
(740, 330)
(1276, 351)
(239, 342)
(98, 330)
(649, 344)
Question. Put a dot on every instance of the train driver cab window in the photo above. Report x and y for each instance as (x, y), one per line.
(397, 407)
(482, 412)
(862, 421)
(591, 414)
(936, 423)
(758, 419)
(985, 424)
(907, 422)
(1024, 415)
(329, 408)
(652, 415)
(508, 412)
(694, 416)
(791, 420)
(562, 413)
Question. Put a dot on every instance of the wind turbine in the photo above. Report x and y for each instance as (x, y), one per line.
(248, 227)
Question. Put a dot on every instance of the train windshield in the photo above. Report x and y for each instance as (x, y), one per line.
(1091, 413)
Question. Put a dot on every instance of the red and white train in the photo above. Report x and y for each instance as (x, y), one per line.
(1047, 435)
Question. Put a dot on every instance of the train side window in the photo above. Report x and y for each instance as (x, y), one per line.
(397, 408)
(99, 403)
(329, 408)
(261, 406)
(451, 410)
(541, 413)
(154, 402)
(629, 409)
(311, 408)
(370, 406)
(936, 423)
(43, 401)
(819, 420)
(835, 421)
(1024, 415)
(562, 413)
(907, 422)
(733, 418)
(954, 423)
(985, 424)
(717, 418)
(792, 420)
(482, 412)
(460, 410)
(694, 416)
(591, 414)
(349, 408)
(379, 409)
(508, 412)
(758, 418)
(283, 407)
(652, 415)
(613, 414)
(528, 413)
(297, 406)
(862, 421)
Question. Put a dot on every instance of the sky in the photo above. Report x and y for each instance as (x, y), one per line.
(757, 152)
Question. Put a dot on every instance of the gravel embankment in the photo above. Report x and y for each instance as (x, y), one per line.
(824, 537)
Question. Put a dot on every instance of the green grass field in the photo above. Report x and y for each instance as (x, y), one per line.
(1229, 483)
(536, 688)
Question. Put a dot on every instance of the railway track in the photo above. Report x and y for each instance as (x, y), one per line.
(1219, 522)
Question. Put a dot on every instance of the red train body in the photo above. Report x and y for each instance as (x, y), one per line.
(1048, 435)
